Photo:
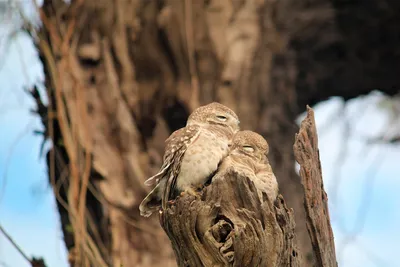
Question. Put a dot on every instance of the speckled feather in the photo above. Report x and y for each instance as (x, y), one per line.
(250, 138)
(192, 154)
(254, 164)
(176, 146)
(198, 115)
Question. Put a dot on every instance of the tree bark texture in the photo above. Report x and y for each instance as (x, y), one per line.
(121, 75)
(229, 225)
(316, 200)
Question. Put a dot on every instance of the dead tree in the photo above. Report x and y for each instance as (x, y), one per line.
(227, 224)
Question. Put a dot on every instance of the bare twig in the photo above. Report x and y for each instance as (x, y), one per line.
(33, 262)
(383, 140)
(15, 245)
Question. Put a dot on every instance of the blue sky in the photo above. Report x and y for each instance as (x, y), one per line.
(369, 181)
(368, 174)
(27, 207)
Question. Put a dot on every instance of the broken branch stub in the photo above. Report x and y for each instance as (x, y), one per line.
(227, 224)
(315, 200)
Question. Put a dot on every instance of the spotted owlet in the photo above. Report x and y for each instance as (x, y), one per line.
(248, 155)
(192, 154)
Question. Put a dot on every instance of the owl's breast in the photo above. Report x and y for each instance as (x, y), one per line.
(201, 159)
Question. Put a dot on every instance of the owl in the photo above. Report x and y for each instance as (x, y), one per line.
(192, 155)
(248, 155)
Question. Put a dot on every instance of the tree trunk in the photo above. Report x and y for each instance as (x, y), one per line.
(122, 75)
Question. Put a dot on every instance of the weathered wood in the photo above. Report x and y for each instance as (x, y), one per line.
(316, 201)
(228, 225)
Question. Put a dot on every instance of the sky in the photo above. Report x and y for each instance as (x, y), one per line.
(27, 206)
(361, 179)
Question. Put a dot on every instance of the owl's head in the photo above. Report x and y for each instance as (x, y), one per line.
(250, 144)
(215, 114)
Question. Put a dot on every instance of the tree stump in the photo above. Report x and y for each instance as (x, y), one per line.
(227, 224)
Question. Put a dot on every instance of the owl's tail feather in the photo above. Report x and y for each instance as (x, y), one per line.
(155, 178)
(151, 203)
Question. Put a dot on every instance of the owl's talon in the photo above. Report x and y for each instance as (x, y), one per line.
(191, 191)
(200, 186)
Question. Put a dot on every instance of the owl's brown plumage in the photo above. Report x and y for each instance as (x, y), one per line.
(192, 154)
(248, 155)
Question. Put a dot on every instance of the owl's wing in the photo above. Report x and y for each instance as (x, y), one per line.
(168, 155)
(175, 147)
(157, 177)
(267, 180)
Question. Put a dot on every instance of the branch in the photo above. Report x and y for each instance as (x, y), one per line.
(316, 201)
(228, 225)
(384, 140)
(34, 262)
